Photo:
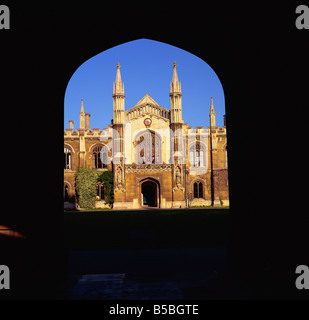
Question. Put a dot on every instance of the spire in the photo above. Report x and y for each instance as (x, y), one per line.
(118, 75)
(175, 77)
(175, 84)
(82, 116)
(118, 98)
(118, 85)
(212, 108)
(82, 106)
(212, 113)
(175, 98)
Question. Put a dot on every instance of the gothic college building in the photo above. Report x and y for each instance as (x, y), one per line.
(157, 159)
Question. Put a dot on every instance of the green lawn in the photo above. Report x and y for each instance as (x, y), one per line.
(149, 228)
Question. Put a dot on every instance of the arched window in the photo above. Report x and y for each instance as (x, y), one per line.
(197, 156)
(198, 190)
(100, 191)
(67, 158)
(148, 148)
(99, 155)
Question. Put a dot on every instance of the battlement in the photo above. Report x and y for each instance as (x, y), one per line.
(217, 129)
(70, 132)
(91, 133)
(200, 130)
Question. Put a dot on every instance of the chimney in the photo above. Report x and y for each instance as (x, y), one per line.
(87, 121)
(71, 122)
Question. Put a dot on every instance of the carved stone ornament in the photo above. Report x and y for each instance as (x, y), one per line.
(147, 122)
(178, 179)
(119, 180)
(148, 167)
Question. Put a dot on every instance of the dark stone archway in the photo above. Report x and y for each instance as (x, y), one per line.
(149, 191)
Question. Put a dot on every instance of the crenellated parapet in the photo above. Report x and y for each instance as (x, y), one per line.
(105, 134)
(200, 130)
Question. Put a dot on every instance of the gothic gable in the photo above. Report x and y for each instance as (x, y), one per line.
(147, 106)
(146, 100)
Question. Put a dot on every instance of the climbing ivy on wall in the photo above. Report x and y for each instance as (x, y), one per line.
(86, 179)
(108, 178)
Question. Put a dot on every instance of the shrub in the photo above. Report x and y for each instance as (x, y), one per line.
(86, 179)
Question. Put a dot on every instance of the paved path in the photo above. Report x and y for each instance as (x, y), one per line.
(152, 274)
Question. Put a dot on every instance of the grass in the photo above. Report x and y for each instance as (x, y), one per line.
(150, 228)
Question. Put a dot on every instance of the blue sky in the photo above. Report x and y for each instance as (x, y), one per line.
(146, 67)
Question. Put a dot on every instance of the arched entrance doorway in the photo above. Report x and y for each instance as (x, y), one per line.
(150, 193)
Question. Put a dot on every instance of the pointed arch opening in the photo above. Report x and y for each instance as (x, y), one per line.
(150, 193)
(146, 67)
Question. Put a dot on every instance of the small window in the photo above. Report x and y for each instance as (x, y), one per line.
(195, 190)
(67, 158)
(100, 191)
(198, 190)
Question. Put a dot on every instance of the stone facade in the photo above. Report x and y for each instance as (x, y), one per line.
(157, 159)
